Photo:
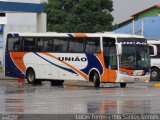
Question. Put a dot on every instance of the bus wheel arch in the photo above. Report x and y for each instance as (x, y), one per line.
(94, 77)
(155, 73)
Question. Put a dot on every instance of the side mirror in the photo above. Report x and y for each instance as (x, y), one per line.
(153, 50)
(119, 48)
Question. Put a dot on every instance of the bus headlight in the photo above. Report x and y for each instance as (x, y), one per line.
(124, 73)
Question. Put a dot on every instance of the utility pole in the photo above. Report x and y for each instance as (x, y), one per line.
(133, 27)
(142, 29)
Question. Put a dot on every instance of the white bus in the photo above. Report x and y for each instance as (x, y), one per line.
(96, 57)
(155, 60)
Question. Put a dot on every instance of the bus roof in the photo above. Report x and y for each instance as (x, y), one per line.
(153, 41)
(54, 34)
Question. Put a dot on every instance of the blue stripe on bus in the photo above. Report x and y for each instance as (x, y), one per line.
(11, 69)
(12, 35)
(69, 70)
(70, 35)
(16, 35)
(93, 62)
(9, 35)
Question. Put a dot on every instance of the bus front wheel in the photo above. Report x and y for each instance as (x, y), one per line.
(155, 74)
(57, 82)
(30, 76)
(123, 85)
(96, 79)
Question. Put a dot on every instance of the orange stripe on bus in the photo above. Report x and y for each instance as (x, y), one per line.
(104, 77)
(112, 75)
(17, 58)
(80, 35)
(75, 69)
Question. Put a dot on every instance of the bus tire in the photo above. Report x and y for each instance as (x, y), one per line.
(30, 76)
(96, 79)
(57, 82)
(123, 85)
(155, 74)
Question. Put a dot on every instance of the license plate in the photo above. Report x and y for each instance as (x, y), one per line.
(136, 79)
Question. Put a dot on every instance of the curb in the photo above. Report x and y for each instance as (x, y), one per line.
(157, 85)
(2, 77)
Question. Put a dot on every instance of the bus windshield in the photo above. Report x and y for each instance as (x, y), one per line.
(135, 57)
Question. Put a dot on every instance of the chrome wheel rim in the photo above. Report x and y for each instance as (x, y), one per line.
(31, 77)
(154, 74)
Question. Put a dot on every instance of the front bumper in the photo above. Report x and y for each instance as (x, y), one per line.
(131, 79)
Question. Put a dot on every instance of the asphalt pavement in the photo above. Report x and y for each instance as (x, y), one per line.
(77, 98)
(3, 77)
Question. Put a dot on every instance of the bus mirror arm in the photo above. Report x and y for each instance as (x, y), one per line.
(154, 49)
(119, 48)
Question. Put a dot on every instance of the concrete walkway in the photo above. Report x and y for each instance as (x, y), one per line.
(2, 77)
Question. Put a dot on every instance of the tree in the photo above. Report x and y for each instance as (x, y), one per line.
(79, 15)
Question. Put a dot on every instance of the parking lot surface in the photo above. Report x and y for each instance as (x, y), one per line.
(78, 98)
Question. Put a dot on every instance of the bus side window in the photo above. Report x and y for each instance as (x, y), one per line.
(151, 50)
(14, 44)
(106, 53)
(40, 43)
(60, 45)
(109, 49)
(93, 45)
(29, 44)
(76, 45)
(158, 50)
(48, 44)
(113, 58)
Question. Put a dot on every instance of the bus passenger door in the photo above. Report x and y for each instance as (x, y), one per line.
(112, 68)
(110, 60)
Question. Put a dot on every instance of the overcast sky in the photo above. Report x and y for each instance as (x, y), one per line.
(123, 9)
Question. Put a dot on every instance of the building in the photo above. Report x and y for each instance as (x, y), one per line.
(145, 22)
(20, 16)
(149, 12)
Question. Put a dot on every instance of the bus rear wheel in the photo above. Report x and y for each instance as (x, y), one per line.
(155, 74)
(96, 79)
(31, 77)
(123, 85)
(57, 82)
